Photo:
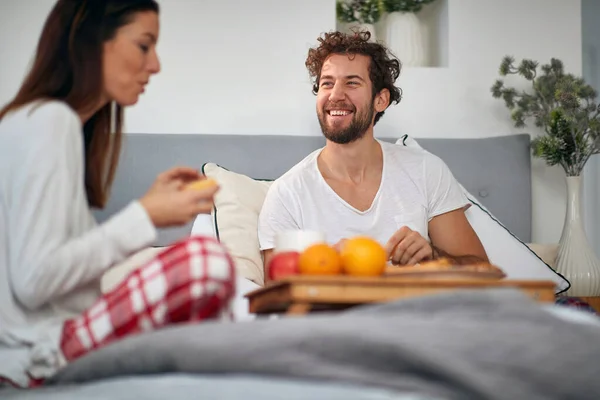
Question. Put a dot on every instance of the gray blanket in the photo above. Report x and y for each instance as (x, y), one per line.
(491, 344)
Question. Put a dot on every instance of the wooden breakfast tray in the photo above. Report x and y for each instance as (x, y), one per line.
(301, 294)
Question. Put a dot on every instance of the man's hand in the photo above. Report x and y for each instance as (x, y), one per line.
(451, 237)
(408, 247)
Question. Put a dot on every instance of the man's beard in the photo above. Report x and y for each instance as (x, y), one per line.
(356, 130)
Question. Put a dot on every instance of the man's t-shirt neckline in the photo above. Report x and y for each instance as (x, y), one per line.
(322, 181)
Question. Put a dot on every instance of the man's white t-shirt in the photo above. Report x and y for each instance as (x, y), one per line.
(415, 187)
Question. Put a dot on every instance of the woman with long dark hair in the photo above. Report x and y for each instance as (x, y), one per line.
(60, 142)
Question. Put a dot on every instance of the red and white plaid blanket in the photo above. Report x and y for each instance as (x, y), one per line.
(194, 280)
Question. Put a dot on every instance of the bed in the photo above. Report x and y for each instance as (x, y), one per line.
(450, 347)
(481, 344)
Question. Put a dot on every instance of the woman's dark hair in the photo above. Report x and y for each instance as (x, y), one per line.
(383, 71)
(68, 67)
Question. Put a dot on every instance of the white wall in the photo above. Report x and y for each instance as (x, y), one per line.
(237, 66)
(590, 10)
(20, 25)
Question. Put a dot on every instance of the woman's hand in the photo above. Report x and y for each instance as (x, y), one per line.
(169, 204)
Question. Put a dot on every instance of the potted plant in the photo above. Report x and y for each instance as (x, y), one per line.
(566, 110)
(362, 14)
(405, 35)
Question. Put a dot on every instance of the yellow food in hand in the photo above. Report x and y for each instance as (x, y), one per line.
(201, 184)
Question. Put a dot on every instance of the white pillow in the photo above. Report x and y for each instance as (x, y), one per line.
(235, 218)
(502, 247)
(203, 226)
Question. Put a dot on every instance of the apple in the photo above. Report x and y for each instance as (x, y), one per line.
(283, 264)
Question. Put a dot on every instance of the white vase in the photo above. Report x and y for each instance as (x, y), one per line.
(576, 260)
(406, 37)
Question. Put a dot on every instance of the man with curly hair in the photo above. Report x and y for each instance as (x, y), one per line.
(406, 199)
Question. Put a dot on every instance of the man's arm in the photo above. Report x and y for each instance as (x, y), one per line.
(450, 232)
(452, 236)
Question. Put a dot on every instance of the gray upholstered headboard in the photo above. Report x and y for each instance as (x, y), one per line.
(496, 170)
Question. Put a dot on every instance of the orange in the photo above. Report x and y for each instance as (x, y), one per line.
(320, 259)
(363, 256)
(201, 184)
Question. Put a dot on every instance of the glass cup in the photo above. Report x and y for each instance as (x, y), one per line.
(297, 240)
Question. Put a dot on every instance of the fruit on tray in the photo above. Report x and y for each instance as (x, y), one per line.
(358, 256)
(363, 256)
(283, 265)
(320, 259)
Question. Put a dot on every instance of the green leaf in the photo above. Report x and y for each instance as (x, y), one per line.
(506, 65)
(557, 66)
(527, 69)
(509, 97)
(344, 12)
(548, 148)
(518, 118)
(412, 6)
(497, 89)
